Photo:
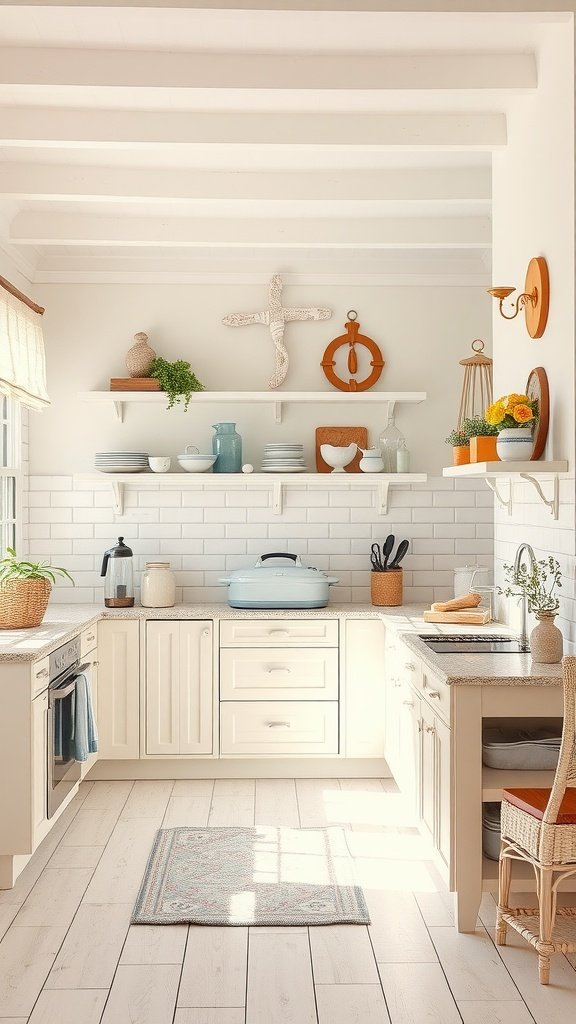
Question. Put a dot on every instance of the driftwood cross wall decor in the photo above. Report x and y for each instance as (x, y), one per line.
(275, 317)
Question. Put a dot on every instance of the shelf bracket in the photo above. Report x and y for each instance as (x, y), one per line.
(382, 497)
(553, 503)
(277, 412)
(117, 497)
(119, 410)
(277, 497)
(505, 504)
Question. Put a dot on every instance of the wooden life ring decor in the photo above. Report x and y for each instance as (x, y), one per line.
(352, 338)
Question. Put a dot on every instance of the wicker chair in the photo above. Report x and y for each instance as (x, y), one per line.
(539, 826)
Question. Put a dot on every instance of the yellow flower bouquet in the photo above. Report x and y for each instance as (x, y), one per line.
(512, 411)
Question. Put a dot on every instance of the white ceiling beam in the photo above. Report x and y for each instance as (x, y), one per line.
(44, 229)
(201, 70)
(69, 183)
(60, 127)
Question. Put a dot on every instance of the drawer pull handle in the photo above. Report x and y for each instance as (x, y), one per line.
(95, 664)
(279, 668)
(435, 694)
(278, 632)
(408, 703)
(410, 666)
(90, 637)
(42, 674)
(278, 725)
(430, 728)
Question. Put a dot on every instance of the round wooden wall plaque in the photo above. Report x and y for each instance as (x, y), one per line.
(537, 387)
(352, 338)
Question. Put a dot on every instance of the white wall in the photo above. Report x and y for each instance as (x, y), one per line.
(533, 215)
(422, 331)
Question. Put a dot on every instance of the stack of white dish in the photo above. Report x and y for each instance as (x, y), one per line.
(121, 462)
(283, 458)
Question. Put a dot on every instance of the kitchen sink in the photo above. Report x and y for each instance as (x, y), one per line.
(464, 643)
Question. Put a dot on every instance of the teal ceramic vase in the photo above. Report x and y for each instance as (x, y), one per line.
(227, 447)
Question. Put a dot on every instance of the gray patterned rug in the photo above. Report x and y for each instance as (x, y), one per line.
(250, 876)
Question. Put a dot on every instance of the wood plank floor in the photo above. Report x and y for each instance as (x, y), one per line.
(68, 954)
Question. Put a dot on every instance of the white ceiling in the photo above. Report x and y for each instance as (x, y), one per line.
(157, 141)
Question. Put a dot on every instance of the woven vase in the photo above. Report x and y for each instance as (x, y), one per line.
(546, 640)
(140, 357)
(386, 588)
(23, 603)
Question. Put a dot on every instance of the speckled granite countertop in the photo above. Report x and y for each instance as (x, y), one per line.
(62, 622)
(485, 669)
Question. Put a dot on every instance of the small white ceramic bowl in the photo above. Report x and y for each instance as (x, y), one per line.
(159, 463)
(337, 456)
(195, 463)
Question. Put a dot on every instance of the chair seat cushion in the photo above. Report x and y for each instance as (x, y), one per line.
(535, 801)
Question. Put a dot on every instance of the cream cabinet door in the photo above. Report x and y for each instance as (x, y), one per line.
(179, 687)
(443, 791)
(428, 773)
(364, 690)
(39, 762)
(119, 688)
(410, 753)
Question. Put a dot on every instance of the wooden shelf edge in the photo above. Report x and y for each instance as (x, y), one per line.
(504, 469)
(258, 396)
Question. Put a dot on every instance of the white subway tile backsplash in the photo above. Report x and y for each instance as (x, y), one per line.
(205, 533)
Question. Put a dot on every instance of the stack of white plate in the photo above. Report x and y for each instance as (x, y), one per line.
(121, 462)
(283, 458)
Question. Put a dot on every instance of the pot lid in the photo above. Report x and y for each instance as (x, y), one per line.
(293, 572)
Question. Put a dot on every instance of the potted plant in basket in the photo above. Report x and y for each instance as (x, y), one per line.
(25, 589)
(482, 437)
(514, 416)
(538, 582)
(460, 445)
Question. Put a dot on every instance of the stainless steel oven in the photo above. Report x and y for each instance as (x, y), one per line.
(63, 768)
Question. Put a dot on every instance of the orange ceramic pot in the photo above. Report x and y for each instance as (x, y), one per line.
(483, 449)
(461, 454)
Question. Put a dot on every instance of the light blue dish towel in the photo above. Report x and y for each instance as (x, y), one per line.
(85, 735)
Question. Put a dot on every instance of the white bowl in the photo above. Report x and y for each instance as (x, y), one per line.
(337, 456)
(196, 463)
(159, 463)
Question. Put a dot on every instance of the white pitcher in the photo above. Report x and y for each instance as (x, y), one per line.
(371, 461)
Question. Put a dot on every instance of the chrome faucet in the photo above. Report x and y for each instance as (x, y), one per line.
(523, 638)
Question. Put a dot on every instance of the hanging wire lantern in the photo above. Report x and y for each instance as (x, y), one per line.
(477, 384)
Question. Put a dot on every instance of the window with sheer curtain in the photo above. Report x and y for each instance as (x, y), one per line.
(10, 473)
(22, 362)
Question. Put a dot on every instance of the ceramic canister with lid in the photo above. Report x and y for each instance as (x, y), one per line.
(158, 587)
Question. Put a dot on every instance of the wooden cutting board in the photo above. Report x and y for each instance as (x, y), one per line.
(340, 437)
(134, 384)
(464, 618)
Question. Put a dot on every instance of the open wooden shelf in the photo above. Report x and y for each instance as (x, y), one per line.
(534, 473)
(494, 780)
(380, 483)
(117, 400)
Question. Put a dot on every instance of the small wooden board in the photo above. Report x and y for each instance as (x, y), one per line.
(340, 437)
(134, 384)
(463, 618)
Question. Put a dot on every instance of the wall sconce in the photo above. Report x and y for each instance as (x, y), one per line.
(534, 299)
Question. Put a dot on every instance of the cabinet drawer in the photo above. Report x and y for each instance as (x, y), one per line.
(279, 633)
(276, 673)
(88, 640)
(436, 693)
(279, 727)
(40, 676)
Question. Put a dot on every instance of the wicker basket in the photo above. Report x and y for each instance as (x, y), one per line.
(23, 603)
(386, 588)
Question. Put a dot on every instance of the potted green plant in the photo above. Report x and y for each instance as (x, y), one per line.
(482, 437)
(538, 583)
(177, 379)
(460, 445)
(25, 589)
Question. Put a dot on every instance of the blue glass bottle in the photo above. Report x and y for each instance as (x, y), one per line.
(227, 446)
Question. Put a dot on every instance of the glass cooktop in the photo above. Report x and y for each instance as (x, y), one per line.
(469, 643)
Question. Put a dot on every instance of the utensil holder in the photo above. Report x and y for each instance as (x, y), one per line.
(386, 588)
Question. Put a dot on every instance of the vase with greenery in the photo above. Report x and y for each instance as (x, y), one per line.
(515, 417)
(482, 437)
(177, 379)
(538, 583)
(460, 445)
(25, 589)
